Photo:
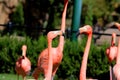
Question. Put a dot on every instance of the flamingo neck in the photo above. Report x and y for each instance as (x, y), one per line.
(85, 57)
(64, 17)
(50, 62)
(24, 53)
(118, 53)
(61, 43)
(113, 41)
(61, 40)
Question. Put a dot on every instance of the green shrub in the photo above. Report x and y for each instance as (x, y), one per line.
(10, 50)
(18, 15)
(73, 53)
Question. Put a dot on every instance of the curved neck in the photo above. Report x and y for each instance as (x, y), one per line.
(61, 43)
(49, 73)
(85, 57)
(61, 40)
(118, 53)
(23, 52)
(113, 41)
(64, 16)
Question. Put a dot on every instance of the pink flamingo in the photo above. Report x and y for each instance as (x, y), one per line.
(112, 50)
(52, 57)
(115, 24)
(54, 62)
(116, 68)
(23, 64)
(111, 53)
(53, 54)
(86, 30)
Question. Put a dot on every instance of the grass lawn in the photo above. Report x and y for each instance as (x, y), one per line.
(14, 77)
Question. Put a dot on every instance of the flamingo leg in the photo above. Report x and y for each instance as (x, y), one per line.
(24, 78)
(55, 70)
(17, 77)
(112, 76)
(36, 73)
(52, 78)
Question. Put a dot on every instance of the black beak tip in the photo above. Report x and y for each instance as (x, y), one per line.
(78, 33)
(63, 34)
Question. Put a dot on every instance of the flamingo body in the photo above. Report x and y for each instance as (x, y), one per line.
(23, 64)
(116, 68)
(56, 58)
(43, 60)
(50, 58)
(111, 53)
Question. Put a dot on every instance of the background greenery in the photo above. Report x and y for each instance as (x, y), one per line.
(31, 16)
(13, 77)
(29, 20)
(10, 50)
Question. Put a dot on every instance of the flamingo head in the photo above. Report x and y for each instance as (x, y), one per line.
(24, 47)
(52, 34)
(117, 25)
(113, 39)
(85, 29)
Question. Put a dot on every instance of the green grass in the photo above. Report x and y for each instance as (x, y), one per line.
(14, 77)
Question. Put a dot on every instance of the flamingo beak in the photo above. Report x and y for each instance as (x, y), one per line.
(78, 33)
(63, 34)
(58, 32)
(82, 29)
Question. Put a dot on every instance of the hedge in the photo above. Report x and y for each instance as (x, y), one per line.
(10, 50)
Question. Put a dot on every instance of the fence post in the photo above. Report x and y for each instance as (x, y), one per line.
(76, 18)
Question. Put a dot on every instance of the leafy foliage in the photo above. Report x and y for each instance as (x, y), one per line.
(18, 15)
(10, 50)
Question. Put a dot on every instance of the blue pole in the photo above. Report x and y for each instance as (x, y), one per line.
(77, 7)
